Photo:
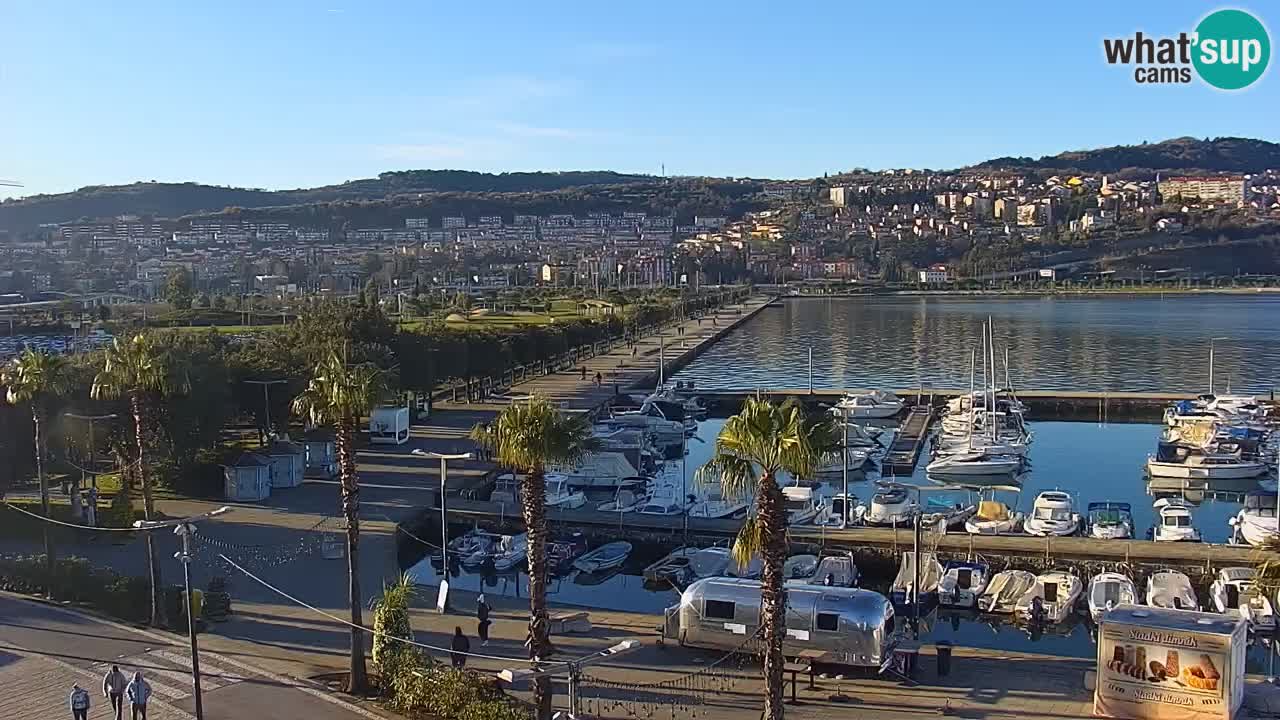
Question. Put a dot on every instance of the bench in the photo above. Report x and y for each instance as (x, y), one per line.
(569, 622)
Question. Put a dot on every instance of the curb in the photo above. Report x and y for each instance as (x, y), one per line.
(305, 685)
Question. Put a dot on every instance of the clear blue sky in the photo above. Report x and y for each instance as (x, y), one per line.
(292, 94)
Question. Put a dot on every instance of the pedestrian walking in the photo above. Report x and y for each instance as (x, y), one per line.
(634, 350)
(139, 692)
(113, 685)
(459, 647)
(79, 702)
(482, 619)
(584, 372)
(599, 378)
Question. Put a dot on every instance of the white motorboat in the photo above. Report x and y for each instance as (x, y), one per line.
(946, 445)
(561, 495)
(1053, 513)
(1110, 520)
(1178, 461)
(892, 504)
(859, 436)
(1256, 523)
(1051, 598)
(799, 567)
(802, 505)
(1173, 522)
(718, 506)
(930, 575)
(834, 464)
(1171, 590)
(605, 557)
(511, 551)
(993, 518)
(844, 510)
(1243, 406)
(667, 434)
(1234, 592)
(710, 562)
(1004, 591)
(875, 404)
(1108, 590)
(624, 501)
(837, 570)
(665, 500)
(963, 583)
(975, 463)
(598, 470)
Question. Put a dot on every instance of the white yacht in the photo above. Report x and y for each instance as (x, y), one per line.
(1171, 590)
(1057, 592)
(665, 500)
(1109, 589)
(716, 505)
(844, 510)
(892, 504)
(1177, 461)
(875, 404)
(1173, 522)
(975, 462)
(802, 505)
(963, 583)
(561, 495)
(1053, 513)
(993, 518)
(1233, 592)
(1004, 591)
(1256, 522)
(1110, 520)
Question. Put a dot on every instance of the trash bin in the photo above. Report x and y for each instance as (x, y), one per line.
(944, 658)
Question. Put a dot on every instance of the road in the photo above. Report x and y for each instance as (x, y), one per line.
(45, 649)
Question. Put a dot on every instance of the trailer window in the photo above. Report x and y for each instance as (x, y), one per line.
(719, 609)
(828, 621)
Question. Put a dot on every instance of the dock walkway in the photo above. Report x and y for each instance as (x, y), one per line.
(904, 452)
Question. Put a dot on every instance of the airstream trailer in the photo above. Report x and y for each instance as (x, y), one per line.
(853, 627)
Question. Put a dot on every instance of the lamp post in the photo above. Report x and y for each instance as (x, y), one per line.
(185, 528)
(844, 451)
(519, 677)
(1211, 342)
(443, 602)
(266, 404)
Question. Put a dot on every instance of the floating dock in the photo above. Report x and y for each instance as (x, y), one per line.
(904, 453)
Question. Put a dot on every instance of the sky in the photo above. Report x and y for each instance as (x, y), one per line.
(282, 94)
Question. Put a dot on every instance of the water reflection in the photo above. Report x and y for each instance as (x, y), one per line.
(1090, 343)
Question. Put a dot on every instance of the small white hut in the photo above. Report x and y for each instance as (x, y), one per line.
(248, 479)
(321, 453)
(287, 461)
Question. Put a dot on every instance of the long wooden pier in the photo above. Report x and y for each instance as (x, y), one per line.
(904, 452)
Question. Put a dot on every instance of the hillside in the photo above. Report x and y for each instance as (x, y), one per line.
(173, 200)
(1226, 154)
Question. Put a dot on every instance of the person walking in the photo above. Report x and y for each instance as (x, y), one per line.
(459, 647)
(138, 692)
(482, 619)
(113, 685)
(79, 702)
(584, 372)
(599, 378)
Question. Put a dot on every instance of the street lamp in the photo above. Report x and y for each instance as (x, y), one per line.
(1211, 342)
(442, 603)
(185, 528)
(520, 677)
(266, 404)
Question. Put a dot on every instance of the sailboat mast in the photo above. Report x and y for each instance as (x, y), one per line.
(973, 405)
(992, 420)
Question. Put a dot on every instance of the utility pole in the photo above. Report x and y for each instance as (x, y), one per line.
(266, 404)
(443, 602)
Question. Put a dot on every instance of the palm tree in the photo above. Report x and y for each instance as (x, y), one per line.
(340, 395)
(753, 448)
(527, 437)
(136, 368)
(32, 378)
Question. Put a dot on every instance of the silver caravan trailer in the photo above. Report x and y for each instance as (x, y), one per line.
(854, 627)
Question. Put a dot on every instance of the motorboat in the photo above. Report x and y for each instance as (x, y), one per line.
(510, 552)
(597, 470)
(844, 509)
(562, 551)
(799, 567)
(718, 506)
(946, 445)
(859, 436)
(1178, 461)
(835, 464)
(1110, 520)
(1173, 522)
(838, 570)
(673, 568)
(605, 557)
(993, 518)
(1234, 592)
(875, 404)
(1052, 514)
(710, 562)
(944, 516)
(665, 500)
(474, 542)
(1243, 406)
(668, 435)
(1256, 522)
(624, 501)
(893, 504)
(963, 583)
(1004, 591)
(975, 463)
(752, 570)
(802, 505)
(1108, 590)
(561, 495)
(901, 592)
(1171, 590)
(1051, 598)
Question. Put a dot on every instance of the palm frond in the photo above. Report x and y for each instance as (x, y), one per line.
(535, 434)
(748, 543)
(339, 392)
(33, 375)
(1266, 563)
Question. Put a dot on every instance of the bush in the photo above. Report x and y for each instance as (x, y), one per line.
(422, 688)
(390, 621)
(75, 579)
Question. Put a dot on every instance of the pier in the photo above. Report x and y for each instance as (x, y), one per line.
(904, 453)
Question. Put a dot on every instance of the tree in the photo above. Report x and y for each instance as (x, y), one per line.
(104, 312)
(178, 289)
(135, 368)
(528, 437)
(391, 621)
(339, 395)
(754, 447)
(32, 379)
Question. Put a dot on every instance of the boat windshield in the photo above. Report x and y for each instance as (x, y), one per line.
(1177, 521)
(796, 504)
(1045, 513)
(1106, 517)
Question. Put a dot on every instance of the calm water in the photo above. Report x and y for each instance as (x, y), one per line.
(1091, 343)
(1113, 471)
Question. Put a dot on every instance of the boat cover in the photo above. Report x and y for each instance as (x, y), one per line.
(992, 511)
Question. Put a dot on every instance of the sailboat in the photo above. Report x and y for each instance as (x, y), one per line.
(977, 458)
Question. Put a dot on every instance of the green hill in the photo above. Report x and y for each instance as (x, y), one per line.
(1185, 154)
